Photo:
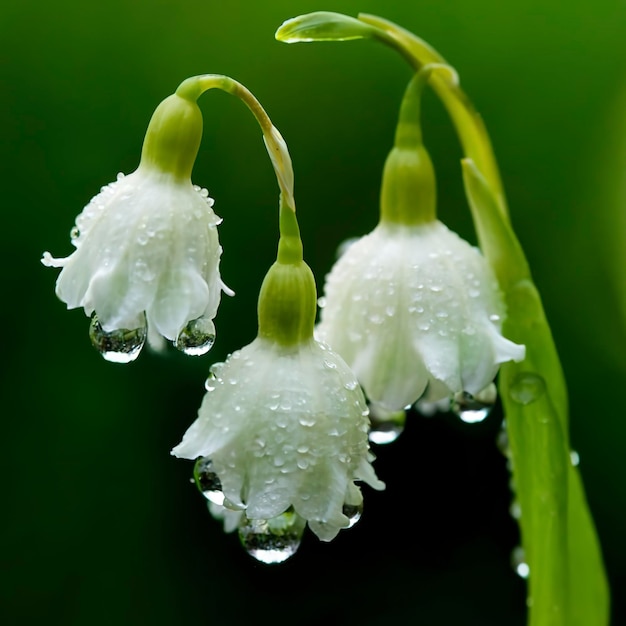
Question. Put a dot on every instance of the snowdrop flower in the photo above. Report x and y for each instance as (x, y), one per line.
(147, 251)
(282, 432)
(414, 309)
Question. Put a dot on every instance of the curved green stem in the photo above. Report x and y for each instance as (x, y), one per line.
(469, 125)
(192, 88)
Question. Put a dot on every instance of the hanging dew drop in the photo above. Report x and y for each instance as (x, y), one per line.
(274, 540)
(117, 346)
(208, 481)
(353, 512)
(197, 338)
(385, 426)
(473, 409)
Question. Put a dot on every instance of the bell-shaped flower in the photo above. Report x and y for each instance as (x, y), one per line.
(284, 423)
(147, 252)
(414, 309)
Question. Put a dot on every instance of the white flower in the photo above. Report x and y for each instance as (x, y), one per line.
(285, 426)
(415, 309)
(147, 243)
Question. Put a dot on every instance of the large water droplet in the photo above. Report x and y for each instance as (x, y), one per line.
(518, 561)
(118, 346)
(197, 338)
(385, 426)
(527, 388)
(274, 540)
(208, 481)
(353, 512)
(474, 408)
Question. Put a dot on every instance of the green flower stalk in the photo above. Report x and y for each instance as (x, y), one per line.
(281, 437)
(567, 583)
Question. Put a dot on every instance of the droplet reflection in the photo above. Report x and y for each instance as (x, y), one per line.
(197, 338)
(274, 540)
(117, 346)
(474, 408)
(385, 426)
(208, 481)
(353, 512)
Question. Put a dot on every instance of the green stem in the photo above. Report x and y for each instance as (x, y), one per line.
(192, 88)
(469, 125)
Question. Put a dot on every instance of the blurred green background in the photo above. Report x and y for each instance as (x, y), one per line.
(100, 525)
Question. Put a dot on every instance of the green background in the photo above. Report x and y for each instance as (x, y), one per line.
(100, 525)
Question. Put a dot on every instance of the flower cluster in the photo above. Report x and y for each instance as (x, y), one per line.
(412, 313)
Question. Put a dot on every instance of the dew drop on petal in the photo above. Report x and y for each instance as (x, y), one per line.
(208, 481)
(574, 458)
(197, 338)
(527, 388)
(385, 426)
(473, 409)
(274, 540)
(353, 512)
(117, 346)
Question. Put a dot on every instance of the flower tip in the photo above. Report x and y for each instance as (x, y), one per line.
(321, 26)
(49, 261)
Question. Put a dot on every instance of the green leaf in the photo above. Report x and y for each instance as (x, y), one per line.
(567, 583)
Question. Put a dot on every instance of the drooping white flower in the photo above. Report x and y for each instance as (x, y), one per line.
(285, 427)
(145, 244)
(147, 249)
(414, 310)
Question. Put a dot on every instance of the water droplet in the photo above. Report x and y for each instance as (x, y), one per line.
(502, 441)
(117, 346)
(474, 408)
(518, 561)
(353, 512)
(209, 383)
(274, 540)
(197, 338)
(527, 388)
(515, 510)
(351, 385)
(74, 233)
(385, 426)
(574, 458)
(208, 481)
(321, 302)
